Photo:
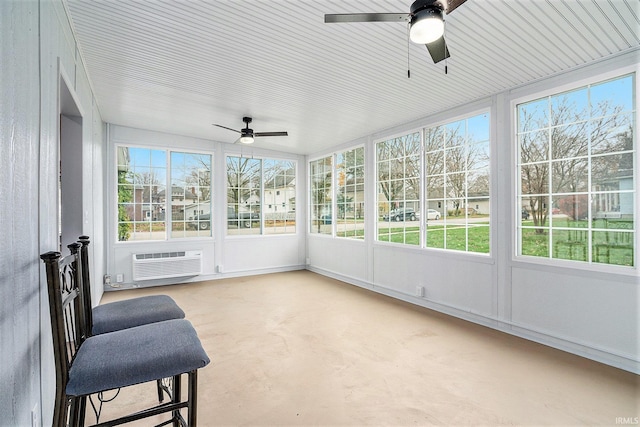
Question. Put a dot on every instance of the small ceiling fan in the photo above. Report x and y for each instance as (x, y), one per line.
(426, 23)
(247, 135)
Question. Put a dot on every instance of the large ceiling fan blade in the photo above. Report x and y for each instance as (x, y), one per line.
(366, 17)
(257, 134)
(224, 127)
(451, 5)
(438, 50)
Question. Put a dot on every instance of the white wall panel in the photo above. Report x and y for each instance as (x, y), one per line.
(250, 254)
(598, 312)
(19, 178)
(343, 256)
(450, 280)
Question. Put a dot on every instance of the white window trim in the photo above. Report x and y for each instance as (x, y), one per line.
(553, 87)
(262, 158)
(112, 188)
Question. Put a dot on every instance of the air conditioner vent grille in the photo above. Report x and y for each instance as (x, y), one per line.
(163, 265)
(160, 255)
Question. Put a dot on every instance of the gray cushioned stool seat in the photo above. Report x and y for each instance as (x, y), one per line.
(134, 356)
(134, 312)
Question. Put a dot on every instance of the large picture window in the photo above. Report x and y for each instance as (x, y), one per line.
(398, 184)
(156, 188)
(576, 174)
(457, 185)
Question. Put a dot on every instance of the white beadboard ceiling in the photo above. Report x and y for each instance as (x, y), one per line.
(179, 66)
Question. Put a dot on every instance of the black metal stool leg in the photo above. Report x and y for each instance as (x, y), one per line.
(175, 398)
(193, 398)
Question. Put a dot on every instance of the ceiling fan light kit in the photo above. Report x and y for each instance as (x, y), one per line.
(427, 26)
(246, 139)
(426, 23)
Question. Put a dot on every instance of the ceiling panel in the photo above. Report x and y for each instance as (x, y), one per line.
(179, 66)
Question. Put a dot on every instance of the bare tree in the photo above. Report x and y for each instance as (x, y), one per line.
(243, 179)
(551, 138)
(399, 178)
(199, 176)
(461, 155)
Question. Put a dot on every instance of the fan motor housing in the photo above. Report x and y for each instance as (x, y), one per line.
(418, 5)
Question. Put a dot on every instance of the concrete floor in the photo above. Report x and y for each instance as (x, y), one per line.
(298, 348)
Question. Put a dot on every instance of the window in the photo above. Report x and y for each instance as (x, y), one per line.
(320, 175)
(398, 184)
(350, 194)
(190, 192)
(244, 195)
(457, 185)
(146, 207)
(261, 196)
(280, 196)
(576, 174)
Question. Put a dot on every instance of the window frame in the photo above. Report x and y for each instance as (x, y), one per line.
(262, 227)
(490, 166)
(480, 108)
(334, 195)
(553, 89)
(336, 189)
(168, 220)
(310, 203)
(420, 192)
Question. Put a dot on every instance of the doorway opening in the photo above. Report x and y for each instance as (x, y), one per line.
(70, 198)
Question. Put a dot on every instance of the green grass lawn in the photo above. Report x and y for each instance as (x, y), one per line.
(456, 237)
(607, 246)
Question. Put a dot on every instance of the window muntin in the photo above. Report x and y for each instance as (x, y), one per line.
(576, 174)
(398, 184)
(144, 205)
(350, 193)
(457, 181)
(321, 214)
(244, 195)
(279, 204)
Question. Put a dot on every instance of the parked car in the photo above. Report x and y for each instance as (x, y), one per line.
(326, 219)
(400, 214)
(525, 214)
(203, 222)
(241, 218)
(433, 214)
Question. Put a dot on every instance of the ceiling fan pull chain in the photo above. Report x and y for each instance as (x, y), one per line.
(408, 48)
(446, 61)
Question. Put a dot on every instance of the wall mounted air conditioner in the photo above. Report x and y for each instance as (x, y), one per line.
(164, 265)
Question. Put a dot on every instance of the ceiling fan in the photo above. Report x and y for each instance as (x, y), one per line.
(426, 23)
(247, 135)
